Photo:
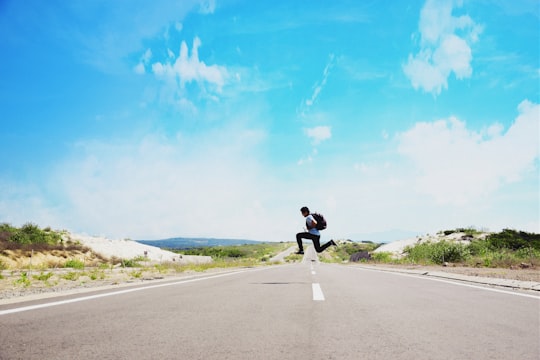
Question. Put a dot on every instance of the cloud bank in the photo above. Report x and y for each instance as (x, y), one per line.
(456, 164)
(434, 175)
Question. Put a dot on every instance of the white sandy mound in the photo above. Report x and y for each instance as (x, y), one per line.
(129, 249)
(397, 247)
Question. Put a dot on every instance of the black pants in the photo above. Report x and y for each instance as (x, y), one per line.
(316, 241)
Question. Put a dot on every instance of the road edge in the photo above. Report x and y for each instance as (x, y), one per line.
(506, 283)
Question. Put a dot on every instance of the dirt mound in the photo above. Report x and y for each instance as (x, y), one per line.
(44, 259)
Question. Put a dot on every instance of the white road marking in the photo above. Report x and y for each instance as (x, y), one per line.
(312, 272)
(90, 297)
(317, 292)
(456, 282)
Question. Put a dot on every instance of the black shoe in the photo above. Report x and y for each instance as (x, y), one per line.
(333, 243)
(299, 252)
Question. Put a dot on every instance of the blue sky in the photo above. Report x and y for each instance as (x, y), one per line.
(222, 118)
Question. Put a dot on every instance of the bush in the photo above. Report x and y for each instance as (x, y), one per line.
(438, 253)
(29, 233)
(72, 275)
(74, 264)
(479, 247)
(382, 257)
(43, 277)
(130, 263)
(23, 280)
(514, 240)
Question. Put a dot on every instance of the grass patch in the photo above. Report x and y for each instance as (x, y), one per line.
(97, 274)
(43, 276)
(23, 280)
(72, 275)
(293, 258)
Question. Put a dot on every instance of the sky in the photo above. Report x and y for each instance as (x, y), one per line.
(222, 118)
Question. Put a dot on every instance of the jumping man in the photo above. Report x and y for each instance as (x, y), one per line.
(312, 234)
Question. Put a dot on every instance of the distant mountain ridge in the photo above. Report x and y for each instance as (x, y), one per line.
(189, 243)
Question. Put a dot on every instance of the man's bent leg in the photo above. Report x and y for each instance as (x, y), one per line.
(309, 236)
(299, 237)
(318, 246)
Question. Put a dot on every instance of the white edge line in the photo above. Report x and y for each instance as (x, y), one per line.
(317, 292)
(456, 282)
(91, 297)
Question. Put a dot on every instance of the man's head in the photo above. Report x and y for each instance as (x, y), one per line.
(305, 211)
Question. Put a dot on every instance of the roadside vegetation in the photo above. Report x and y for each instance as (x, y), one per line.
(506, 249)
(345, 249)
(34, 257)
(238, 255)
(64, 261)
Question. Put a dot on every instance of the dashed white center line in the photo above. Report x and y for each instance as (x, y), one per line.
(317, 292)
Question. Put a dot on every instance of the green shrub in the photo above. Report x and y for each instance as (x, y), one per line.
(438, 253)
(382, 257)
(29, 233)
(479, 247)
(528, 253)
(72, 275)
(43, 277)
(130, 263)
(23, 280)
(514, 240)
(74, 264)
(97, 274)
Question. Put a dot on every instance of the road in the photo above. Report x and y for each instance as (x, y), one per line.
(301, 311)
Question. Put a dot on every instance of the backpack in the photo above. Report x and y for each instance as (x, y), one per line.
(321, 221)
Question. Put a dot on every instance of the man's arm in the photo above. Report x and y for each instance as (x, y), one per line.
(312, 223)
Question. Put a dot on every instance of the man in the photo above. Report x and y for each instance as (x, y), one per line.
(312, 234)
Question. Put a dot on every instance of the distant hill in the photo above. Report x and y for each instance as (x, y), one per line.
(190, 243)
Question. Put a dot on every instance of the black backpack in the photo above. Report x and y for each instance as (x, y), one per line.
(321, 221)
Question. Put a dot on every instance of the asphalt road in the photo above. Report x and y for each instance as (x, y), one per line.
(302, 311)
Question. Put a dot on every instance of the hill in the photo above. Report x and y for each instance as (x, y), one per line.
(190, 243)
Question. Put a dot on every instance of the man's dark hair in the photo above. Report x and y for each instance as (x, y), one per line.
(304, 209)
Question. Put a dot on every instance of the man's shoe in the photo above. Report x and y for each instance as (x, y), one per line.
(333, 243)
(299, 252)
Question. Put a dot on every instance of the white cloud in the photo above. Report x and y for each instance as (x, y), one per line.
(319, 133)
(159, 186)
(140, 68)
(207, 6)
(445, 47)
(317, 88)
(434, 176)
(188, 68)
(456, 164)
